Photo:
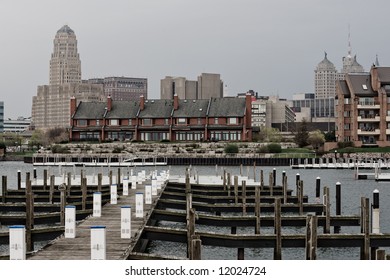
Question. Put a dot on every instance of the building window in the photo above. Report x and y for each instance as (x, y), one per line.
(216, 121)
(181, 121)
(114, 122)
(166, 121)
(147, 122)
(97, 122)
(232, 120)
(199, 120)
(347, 114)
(130, 121)
(82, 122)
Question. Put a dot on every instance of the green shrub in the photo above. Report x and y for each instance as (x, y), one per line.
(274, 148)
(231, 149)
(342, 145)
(262, 149)
(58, 149)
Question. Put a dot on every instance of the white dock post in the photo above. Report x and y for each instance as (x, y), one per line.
(375, 212)
(17, 243)
(114, 194)
(98, 243)
(125, 183)
(139, 205)
(148, 194)
(97, 204)
(126, 222)
(154, 186)
(133, 182)
(70, 221)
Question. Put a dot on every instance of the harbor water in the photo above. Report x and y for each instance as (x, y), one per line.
(351, 192)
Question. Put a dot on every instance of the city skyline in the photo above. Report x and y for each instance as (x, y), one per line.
(270, 47)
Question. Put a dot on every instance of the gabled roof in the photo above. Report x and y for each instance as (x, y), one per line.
(384, 74)
(227, 107)
(360, 84)
(344, 88)
(192, 108)
(159, 108)
(90, 110)
(123, 110)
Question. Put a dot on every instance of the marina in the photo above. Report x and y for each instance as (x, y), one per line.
(245, 211)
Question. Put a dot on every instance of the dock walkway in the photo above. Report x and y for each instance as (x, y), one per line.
(79, 248)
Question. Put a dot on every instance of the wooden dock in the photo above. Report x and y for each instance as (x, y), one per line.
(117, 248)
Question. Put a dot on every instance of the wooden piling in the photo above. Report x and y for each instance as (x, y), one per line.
(274, 177)
(336, 229)
(365, 250)
(118, 179)
(241, 169)
(110, 177)
(254, 171)
(311, 237)
(243, 198)
(236, 190)
(285, 189)
(45, 179)
(19, 180)
(69, 185)
(380, 254)
(240, 254)
(190, 230)
(62, 189)
(196, 248)
(300, 197)
(261, 179)
(29, 216)
(51, 189)
(229, 183)
(100, 177)
(4, 188)
(224, 180)
(327, 210)
(257, 210)
(277, 230)
(271, 182)
(84, 193)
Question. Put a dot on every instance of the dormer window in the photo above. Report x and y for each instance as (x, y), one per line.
(364, 86)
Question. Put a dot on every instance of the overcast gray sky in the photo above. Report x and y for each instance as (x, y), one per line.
(271, 47)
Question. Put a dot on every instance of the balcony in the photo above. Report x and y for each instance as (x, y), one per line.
(368, 105)
(369, 131)
(387, 131)
(388, 118)
(369, 118)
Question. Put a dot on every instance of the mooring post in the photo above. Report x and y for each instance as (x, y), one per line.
(285, 200)
(62, 189)
(241, 169)
(118, 179)
(51, 189)
(229, 179)
(365, 251)
(196, 245)
(300, 197)
(4, 188)
(84, 193)
(271, 183)
(283, 175)
(261, 179)
(224, 180)
(19, 180)
(254, 171)
(190, 230)
(45, 179)
(110, 177)
(29, 216)
(69, 185)
(318, 190)
(240, 254)
(100, 177)
(336, 229)
(236, 190)
(243, 198)
(375, 213)
(297, 179)
(327, 210)
(311, 237)
(35, 173)
(257, 209)
(274, 177)
(278, 230)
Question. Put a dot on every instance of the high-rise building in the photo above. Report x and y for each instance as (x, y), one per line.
(207, 86)
(50, 107)
(325, 79)
(1, 116)
(65, 64)
(123, 88)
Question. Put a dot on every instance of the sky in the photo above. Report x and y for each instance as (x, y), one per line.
(271, 47)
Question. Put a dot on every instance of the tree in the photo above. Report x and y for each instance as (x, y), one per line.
(330, 136)
(269, 134)
(37, 139)
(302, 134)
(316, 139)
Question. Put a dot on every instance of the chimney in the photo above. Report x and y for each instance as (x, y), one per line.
(73, 106)
(175, 102)
(109, 103)
(142, 103)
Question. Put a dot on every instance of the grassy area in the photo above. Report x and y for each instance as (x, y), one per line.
(297, 150)
(362, 150)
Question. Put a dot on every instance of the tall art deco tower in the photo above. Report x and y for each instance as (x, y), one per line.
(65, 64)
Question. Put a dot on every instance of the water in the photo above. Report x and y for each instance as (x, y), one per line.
(351, 192)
